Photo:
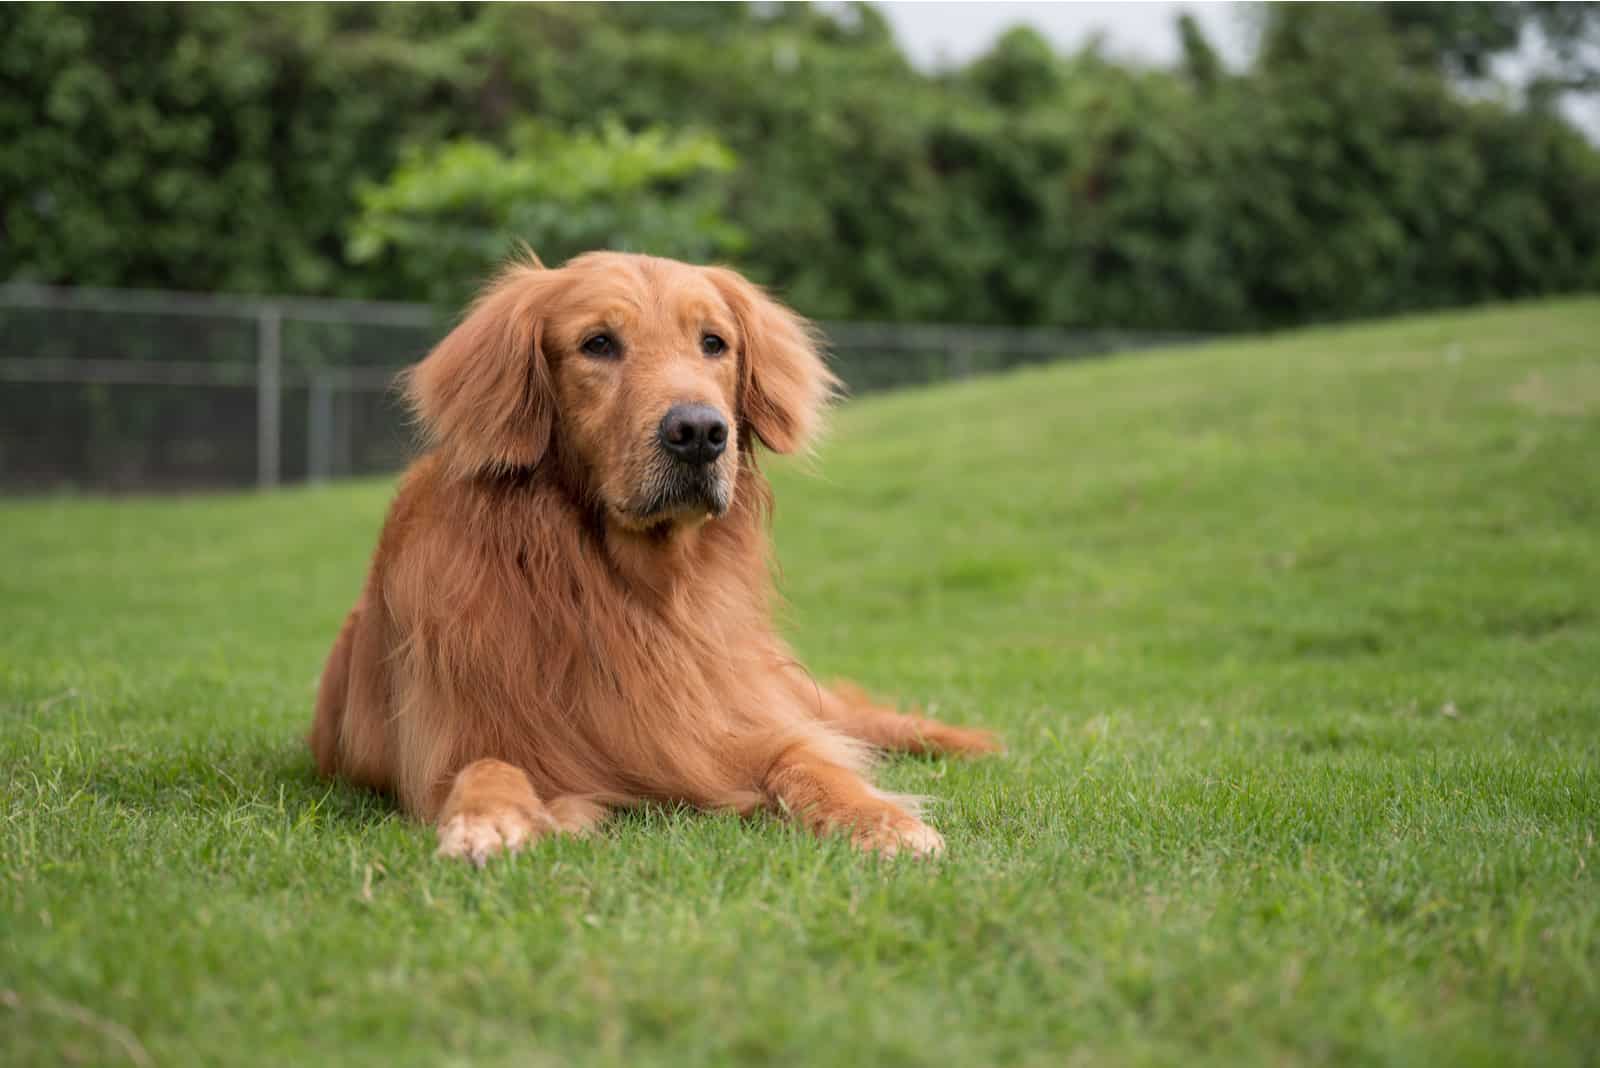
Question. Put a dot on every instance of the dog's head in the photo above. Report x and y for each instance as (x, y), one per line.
(649, 377)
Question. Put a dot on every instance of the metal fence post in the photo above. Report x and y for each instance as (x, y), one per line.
(319, 426)
(269, 395)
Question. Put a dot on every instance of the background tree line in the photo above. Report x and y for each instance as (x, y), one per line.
(1360, 164)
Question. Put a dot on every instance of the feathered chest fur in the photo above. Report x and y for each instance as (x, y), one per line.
(626, 661)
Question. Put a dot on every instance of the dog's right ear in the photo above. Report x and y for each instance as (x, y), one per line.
(484, 395)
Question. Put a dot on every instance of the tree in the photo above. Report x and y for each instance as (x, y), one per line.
(449, 213)
(397, 151)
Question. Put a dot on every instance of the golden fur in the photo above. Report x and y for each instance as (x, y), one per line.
(548, 629)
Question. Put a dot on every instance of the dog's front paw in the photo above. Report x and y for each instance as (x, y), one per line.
(907, 834)
(480, 835)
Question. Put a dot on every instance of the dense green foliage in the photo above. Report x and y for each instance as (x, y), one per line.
(400, 150)
(444, 215)
(1293, 641)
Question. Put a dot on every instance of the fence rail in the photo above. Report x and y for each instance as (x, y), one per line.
(141, 389)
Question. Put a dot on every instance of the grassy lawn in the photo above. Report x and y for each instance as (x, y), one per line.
(1296, 643)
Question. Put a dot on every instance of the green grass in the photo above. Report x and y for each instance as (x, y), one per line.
(1296, 643)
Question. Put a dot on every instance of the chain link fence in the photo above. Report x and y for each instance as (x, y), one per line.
(133, 390)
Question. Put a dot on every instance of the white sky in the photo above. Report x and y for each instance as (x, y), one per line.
(934, 34)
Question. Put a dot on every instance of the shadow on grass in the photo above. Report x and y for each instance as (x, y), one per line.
(236, 782)
(222, 780)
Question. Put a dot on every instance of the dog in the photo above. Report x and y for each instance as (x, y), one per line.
(569, 608)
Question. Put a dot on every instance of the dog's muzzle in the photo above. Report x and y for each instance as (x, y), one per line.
(687, 476)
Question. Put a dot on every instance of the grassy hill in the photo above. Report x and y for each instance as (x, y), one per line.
(1296, 643)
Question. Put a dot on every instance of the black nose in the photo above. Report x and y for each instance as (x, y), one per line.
(694, 433)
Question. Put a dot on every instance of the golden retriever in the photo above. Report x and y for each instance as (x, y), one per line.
(568, 609)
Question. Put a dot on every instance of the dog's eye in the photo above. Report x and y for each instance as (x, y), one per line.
(712, 345)
(603, 345)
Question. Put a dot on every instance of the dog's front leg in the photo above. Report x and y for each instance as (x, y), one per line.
(492, 807)
(832, 799)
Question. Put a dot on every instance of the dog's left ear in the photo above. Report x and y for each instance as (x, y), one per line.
(783, 383)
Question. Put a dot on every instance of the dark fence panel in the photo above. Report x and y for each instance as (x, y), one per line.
(128, 390)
